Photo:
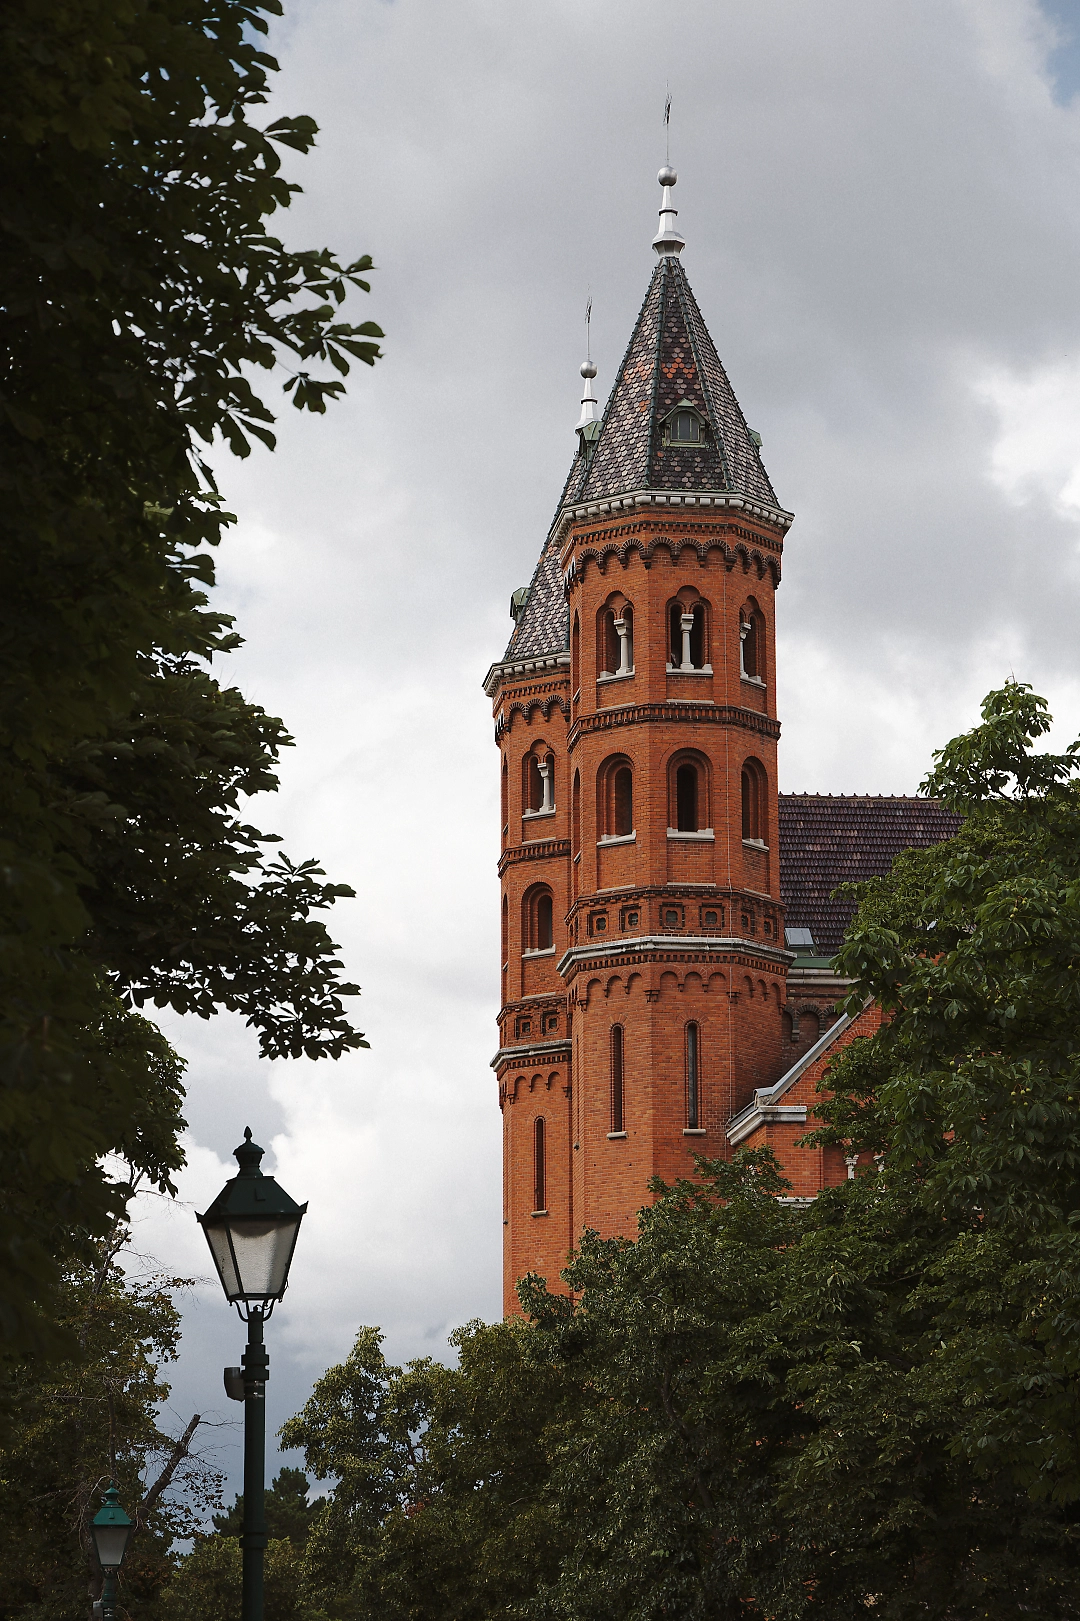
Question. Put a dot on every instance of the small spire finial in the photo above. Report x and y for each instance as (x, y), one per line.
(590, 411)
(667, 240)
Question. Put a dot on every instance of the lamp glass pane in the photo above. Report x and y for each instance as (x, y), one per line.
(111, 1542)
(263, 1250)
(218, 1239)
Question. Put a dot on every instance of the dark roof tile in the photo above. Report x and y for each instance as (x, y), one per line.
(826, 840)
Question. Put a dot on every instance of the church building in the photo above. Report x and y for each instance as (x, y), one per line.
(667, 915)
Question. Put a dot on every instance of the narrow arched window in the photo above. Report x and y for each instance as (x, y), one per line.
(505, 802)
(535, 793)
(675, 633)
(697, 637)
(575, 815)
(545, 934)
(624, 801)
(539, 1165)
(505, 944)
(686, 798)
(753, 801)
(617, 1077)
(575, 656)
(538, 919)
(752, 649)
(693, 1079)
(611, 643)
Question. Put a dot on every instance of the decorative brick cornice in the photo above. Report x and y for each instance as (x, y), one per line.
(543, 1052)
(604, 550)
(524, 706)
(534, 850)
(684, 948)
(515, 667)
(696, 713)
(679, 500)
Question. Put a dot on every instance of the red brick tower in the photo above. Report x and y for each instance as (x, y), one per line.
(643, 957)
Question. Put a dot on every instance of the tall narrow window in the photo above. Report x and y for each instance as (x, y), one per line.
(575, 815)
(575, 656)
(624, 800)
(617, 1077)
(693, 1079)
(752, 649)
(697, 637)
(753, 801)
(535, 790)
(611, 644)
(545, 934)
(505, 797)
(675, 634)
(505, 944)
(686, 799)
(539, 1165)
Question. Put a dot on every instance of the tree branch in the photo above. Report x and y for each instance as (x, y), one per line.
(176, 1456)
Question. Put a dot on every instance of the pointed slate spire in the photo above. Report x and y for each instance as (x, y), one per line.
(671, 363)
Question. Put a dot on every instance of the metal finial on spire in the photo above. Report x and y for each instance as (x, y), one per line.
(667, 240)
(590, 411)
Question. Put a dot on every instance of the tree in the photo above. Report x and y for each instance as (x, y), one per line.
(92, 1418)
(289, 1514)
(140, 292)
(972, 1087)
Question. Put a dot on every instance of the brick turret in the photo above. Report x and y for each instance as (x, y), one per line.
(643, 947)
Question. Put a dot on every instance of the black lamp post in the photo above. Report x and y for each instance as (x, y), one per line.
(251, 1228)
(111, 1530)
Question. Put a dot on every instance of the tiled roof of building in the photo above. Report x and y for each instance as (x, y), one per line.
(670, 360)
(827, 839)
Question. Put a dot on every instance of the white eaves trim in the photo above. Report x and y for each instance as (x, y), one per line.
(765, 1105)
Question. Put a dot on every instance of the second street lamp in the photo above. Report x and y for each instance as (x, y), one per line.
(111, 1530)
(251, 1229)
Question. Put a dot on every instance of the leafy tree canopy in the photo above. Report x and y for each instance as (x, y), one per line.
(141, 296)
(95, 1416)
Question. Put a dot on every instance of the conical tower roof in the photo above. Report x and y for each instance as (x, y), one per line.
(670, 363)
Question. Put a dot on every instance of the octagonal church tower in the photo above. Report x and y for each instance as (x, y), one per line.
(643, 958)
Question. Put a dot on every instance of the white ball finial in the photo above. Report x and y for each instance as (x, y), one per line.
(588, 368)
(667, 176)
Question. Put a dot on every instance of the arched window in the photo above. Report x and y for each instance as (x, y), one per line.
(688, 794)
(686, 798)
(615, 639)
(752, 642)
(754, 792)
(505, 801)
(684, 428)
(575, 816)
(538, 781)
(686, 636)
(538, 921)
(575, 657)
(693, 1078)
(615, 799)
(617, 1077)
(545, 932)
(505, 944)
(539, 1165)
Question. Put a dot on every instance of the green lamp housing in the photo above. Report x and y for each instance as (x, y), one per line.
(111, 1530)
(251, 1229)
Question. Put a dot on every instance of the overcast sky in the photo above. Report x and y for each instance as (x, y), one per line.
(882, 213)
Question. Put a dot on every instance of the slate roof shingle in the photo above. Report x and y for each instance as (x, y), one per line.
(828, 839)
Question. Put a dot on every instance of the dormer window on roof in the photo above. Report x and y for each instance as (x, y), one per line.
(685, 426)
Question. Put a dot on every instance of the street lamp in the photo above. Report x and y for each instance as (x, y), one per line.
(251, 1228)
(111, 1529)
